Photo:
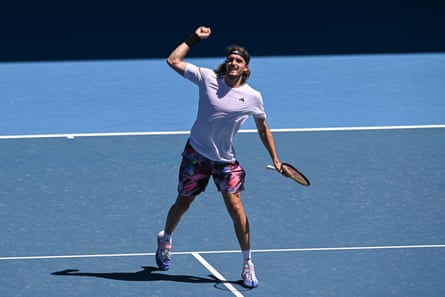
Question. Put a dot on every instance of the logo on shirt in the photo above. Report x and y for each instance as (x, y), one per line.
(241, 99)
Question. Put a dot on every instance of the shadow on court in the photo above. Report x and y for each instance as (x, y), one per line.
(147, 274)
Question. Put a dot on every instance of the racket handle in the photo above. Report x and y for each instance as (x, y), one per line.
(271, 167)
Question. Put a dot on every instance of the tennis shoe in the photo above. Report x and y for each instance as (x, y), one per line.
(163, 253)
(248, 275)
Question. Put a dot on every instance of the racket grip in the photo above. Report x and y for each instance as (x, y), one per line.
(271, 167)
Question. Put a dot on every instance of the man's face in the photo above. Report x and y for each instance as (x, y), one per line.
(235, 65)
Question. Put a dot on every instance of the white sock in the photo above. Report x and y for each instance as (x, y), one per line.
(247, 256)
(166, 237)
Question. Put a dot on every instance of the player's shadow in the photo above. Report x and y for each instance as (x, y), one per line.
(147, 273)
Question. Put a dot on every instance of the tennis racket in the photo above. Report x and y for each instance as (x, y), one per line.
(293, 173)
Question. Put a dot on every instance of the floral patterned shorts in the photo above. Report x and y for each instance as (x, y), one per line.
(196, 170)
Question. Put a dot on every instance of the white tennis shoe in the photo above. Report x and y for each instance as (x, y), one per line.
(163, 253)
(248, 275)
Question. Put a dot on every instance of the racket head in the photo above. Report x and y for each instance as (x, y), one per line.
(293, 173)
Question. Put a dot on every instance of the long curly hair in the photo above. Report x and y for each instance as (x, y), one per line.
(239, 50)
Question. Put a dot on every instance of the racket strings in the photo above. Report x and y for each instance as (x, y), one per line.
(290, 172)
(294, 174)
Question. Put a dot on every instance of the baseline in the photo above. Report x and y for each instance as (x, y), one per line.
(358, 128)
(352, 248)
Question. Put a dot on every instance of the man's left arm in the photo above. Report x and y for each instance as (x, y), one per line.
(268, 141)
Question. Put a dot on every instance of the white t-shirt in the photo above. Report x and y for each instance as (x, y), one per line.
(221, 112)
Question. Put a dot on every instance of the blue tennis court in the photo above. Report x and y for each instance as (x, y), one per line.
(89, 160)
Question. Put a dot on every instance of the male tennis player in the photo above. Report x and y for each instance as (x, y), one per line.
(225, 102)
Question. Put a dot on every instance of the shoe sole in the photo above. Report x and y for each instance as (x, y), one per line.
(250, 285)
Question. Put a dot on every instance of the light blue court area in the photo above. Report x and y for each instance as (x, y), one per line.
(145, 95)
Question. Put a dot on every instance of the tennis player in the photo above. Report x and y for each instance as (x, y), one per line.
(225, 102)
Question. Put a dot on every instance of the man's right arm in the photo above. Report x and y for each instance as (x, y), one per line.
(176, 58)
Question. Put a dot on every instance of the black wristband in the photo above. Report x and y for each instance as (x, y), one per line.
(192, 40)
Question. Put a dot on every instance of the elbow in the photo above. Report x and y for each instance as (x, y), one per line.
(169, 61)
(262, 133)
(173, 61)
(176, 64)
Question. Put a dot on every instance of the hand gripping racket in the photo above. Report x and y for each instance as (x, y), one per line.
(293, 173)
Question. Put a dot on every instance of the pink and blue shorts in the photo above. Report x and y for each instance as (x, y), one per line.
(196, 170)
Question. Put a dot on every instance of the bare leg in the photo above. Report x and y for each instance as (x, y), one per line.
(176, 212)
(241, 224)
(239, 218)
(163, 253)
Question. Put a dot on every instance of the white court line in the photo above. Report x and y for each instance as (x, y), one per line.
(352, 248)
(218, 275)
(74, 135)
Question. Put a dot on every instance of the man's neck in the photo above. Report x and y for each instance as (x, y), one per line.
(233, 82)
